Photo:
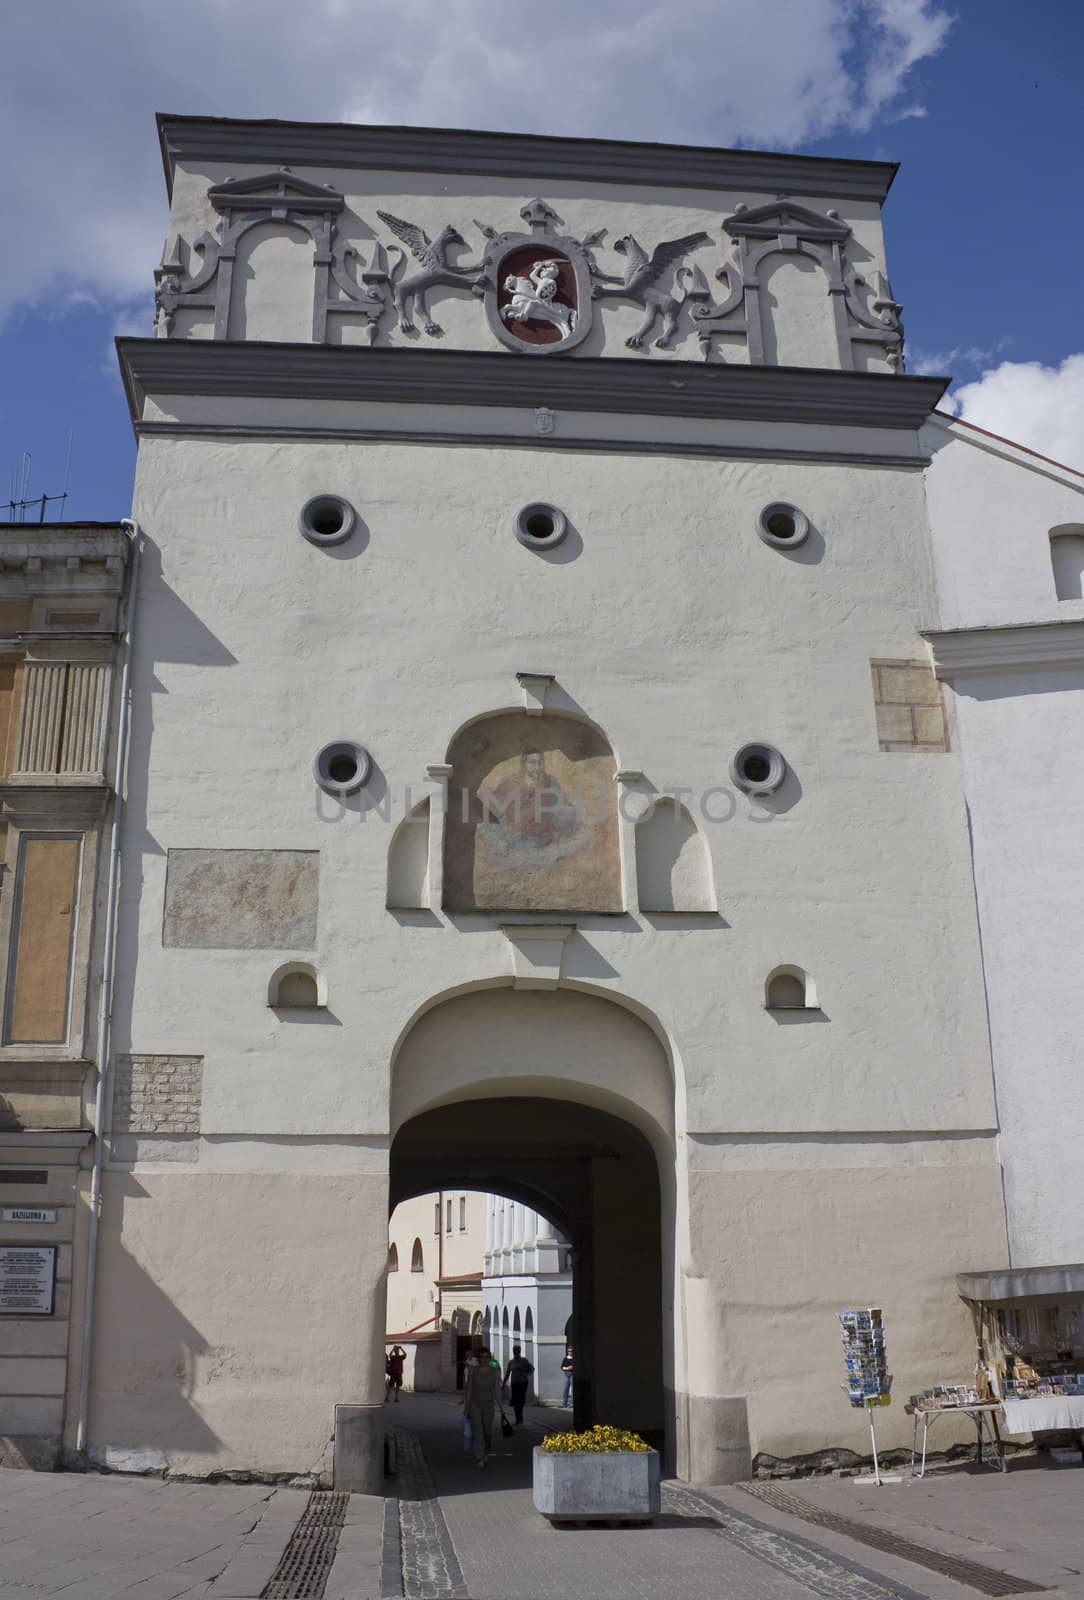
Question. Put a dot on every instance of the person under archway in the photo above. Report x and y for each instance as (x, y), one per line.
(481, 1393)
(394, 1369)
(517, 1377)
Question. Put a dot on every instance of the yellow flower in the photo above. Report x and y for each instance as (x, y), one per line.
(599, 1440)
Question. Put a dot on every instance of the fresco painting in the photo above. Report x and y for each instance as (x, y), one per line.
(532, 818)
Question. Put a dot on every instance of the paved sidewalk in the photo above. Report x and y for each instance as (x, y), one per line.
(93, 1536)
(464, 1533)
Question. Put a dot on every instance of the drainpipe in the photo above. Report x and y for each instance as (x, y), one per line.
(105, 996)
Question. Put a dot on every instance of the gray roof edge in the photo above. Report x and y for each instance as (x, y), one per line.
(524, 155)
(1020, 1283)
(489, 378)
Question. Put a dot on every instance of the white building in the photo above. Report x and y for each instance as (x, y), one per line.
(1008, 541)
(527, 1292)
(538, 786)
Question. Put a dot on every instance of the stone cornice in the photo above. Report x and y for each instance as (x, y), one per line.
(1040, 644)
(40, 558)
(465, 378)
(513, 155)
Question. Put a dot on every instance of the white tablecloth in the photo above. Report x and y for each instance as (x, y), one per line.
(1044, 1411)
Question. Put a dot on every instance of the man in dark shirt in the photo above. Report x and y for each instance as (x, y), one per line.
(517, 1378)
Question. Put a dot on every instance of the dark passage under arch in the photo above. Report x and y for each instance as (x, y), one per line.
(594, 1176)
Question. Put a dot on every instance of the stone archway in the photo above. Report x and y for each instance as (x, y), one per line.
(564, 1101)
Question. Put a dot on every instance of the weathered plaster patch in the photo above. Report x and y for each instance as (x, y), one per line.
(241, 899)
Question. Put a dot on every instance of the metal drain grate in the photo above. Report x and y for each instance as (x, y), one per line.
(303, 1571)
(987, 1580)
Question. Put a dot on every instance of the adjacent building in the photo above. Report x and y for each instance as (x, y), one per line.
(64, 609)
(527, 1293)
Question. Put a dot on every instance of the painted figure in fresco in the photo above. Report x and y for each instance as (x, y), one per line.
(527, 820)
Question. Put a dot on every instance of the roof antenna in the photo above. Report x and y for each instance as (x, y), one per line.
(20, 502)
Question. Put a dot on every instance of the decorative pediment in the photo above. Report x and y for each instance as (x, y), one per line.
(786, 217)
(275, 191)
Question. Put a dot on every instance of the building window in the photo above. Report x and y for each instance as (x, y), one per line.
(393, 1259)
(436, 1216)
(462, 1213)
(1067, 559)
(417, 1259)
(448, 1222)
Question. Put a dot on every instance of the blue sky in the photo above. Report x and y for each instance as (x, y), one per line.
(980, 101)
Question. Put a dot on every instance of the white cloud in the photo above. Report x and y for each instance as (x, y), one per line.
(945, 363)
(81, 189)
(1041, 407)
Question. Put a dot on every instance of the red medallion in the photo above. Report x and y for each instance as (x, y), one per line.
(539, 283)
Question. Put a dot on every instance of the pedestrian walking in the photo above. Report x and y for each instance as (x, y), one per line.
(518, 1378)
(566, 1368)
(393, 1367)
(481, 1396)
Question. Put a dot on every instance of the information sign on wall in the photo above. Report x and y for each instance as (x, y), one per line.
(27, 1280)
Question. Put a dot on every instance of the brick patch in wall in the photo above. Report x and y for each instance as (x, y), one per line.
(157, 1094)
(908, 704)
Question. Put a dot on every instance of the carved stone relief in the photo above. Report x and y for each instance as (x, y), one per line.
(205, 280)
(538, 284)
(861, 313)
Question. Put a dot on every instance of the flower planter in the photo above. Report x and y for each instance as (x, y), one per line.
(597, 1486)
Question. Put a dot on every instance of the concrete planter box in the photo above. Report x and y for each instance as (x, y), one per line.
(590, 1486)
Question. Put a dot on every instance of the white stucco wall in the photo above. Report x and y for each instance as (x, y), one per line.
(1018, 726)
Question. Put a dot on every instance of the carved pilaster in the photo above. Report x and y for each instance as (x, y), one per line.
(41, 721)
(81, 748)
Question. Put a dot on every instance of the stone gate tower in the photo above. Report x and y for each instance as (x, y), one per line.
(538, 784)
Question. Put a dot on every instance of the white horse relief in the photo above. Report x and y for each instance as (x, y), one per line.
(534, 297)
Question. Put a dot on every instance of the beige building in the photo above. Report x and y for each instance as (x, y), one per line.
(64, 610)
(538, 786)
(434, 1298)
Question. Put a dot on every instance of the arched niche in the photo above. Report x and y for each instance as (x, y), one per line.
(673, 864)
(532, 819)
(521, 1042)
(1067, 560)
(417, 1257)
(797, 318)
(296, 986)
(272, 284)
(408, 862)
(790, 988)
(393, 1258)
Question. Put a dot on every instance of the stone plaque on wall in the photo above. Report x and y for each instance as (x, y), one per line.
(27, 1280)
(241, 899)
(532, 818)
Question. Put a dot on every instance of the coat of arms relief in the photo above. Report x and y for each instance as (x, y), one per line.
(539, 286)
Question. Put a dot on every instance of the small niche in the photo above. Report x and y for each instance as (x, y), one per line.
(673, 868)
(790, 989)
(408, 862)
(296, 987)
(1067, 560)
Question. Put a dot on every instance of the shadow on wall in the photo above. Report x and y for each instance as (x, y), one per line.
(144, 1361)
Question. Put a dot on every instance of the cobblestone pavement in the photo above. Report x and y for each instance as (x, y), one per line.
(95, 1537)
(501, 1549)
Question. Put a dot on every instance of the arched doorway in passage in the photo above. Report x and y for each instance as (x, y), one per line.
(562, 1101)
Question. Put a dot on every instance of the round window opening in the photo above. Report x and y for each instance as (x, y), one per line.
(758, 768)
(541, 526)
(327, 519)
(342, 768)
(783, 525)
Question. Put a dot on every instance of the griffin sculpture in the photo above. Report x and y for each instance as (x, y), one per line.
(436, 270)
(642, 277)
